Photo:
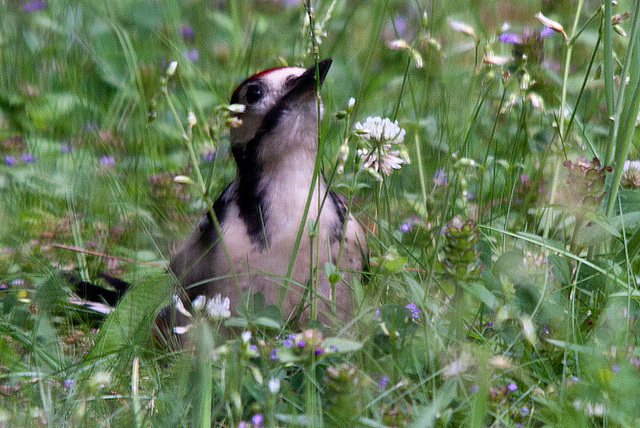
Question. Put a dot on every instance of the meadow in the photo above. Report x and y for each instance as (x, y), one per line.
(502, 215)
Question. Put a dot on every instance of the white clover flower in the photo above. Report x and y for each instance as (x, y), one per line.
(199, 302)
(274, 385)
(631, 165)
(381, 130)
(180, 306)
(218, 308)
(246, 336)
(631, 174)
(384, 151)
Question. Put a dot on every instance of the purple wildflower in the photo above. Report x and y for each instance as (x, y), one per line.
(490, 324)
(28, 158)
(382, 382)
(67, 383)
(615, 368)
(257, 419)
(474, 388)
(510, 38)
(10, 160)
(192, 54)
(274, 354)
(378, 313)
(107, 160)
(254, 348)
(546, 32)
(440, 178)
(318, 351)
(208, 156)
(288, 342)
(18, 282)
(406, 226)
(524, 411)
(66, 148)
(512, 386)
(415, 311)
(242, 424)
(301, 344)
(333, 348)
(34, 5)
(187, 32)
(3, 286)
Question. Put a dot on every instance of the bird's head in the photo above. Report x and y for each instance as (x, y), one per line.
(280, 113)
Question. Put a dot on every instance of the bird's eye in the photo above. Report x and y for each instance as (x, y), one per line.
(253, 94)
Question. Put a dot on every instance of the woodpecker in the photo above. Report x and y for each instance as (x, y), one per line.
(259, 213)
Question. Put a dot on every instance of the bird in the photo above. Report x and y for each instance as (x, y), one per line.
(274, 145)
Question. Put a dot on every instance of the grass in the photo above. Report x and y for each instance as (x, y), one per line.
(502, 289)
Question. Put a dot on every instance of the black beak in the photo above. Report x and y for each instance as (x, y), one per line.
(307, 80)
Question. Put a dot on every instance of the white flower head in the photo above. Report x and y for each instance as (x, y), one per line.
(384, 152)
(199, 302)
(631, 165)
(246, 336)
(274, 385)
(180, 306)
(218, 308)
(631, 174)
(380, 130)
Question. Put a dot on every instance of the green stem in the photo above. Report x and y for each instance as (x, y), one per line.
(565, 78)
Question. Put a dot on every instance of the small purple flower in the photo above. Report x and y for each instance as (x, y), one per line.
(440, 178)
(301, 344)
(318, 351)
(333, 348)
(524, 411)
(512, 386)
(546, 32)
(473, 388)
(66, 148)
(274, 354)
(288, 342)
(415, 311)
(510, 38)
(3, 286)
(378, 313)
(406, 226)
(187, 32)
(28, 158)
(18, 282)
(107, 160)
(254, 348)
(207, 157)
(67, 383)
(615, 368)
(257, 419)
(10, 160)
(192, 54)
(242, 424)
(34, 5)
(490, 324)
(383, 381)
